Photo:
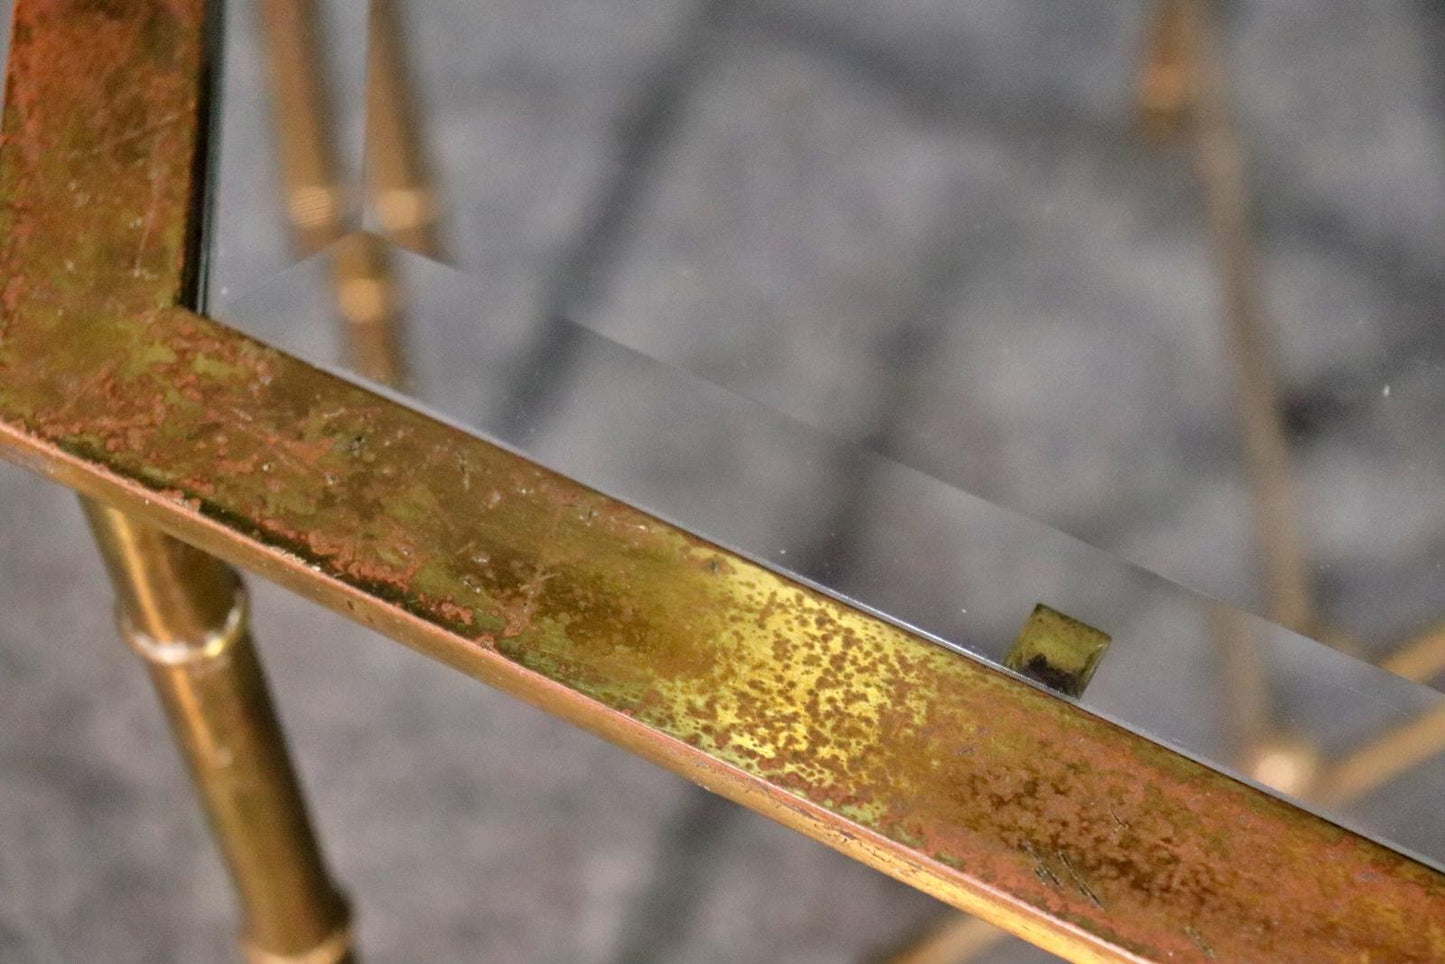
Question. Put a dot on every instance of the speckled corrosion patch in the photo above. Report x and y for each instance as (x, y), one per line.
(989, 786)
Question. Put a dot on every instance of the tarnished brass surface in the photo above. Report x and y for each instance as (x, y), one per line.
(998, 798)
(180, 609)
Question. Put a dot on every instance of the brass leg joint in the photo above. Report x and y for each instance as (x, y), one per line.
(212, 644)
(185, 613)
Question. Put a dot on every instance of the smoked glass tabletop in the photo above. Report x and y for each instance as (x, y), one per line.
(1135, 311)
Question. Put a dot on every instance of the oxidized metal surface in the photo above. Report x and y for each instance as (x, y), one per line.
(181, 610)
(1058, 651)
(953, 777)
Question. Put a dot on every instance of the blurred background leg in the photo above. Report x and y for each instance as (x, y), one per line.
(318, 201)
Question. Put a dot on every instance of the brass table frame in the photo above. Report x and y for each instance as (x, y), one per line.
(956, 778)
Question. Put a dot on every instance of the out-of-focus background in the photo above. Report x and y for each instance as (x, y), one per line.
(939, 230)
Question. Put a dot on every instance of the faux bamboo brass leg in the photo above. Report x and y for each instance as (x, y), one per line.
(184, 612)
(318, 198)
(1183, 88)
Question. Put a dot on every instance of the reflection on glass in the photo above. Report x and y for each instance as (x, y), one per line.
(892, 300)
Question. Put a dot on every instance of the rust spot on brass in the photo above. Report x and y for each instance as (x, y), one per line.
(1058, 651)
(100, 138)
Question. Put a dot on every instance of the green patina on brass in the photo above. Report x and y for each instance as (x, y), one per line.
(949, 774)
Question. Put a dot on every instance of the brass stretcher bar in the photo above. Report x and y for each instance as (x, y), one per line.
(954, 777)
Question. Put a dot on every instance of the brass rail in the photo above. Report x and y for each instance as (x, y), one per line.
(996, 797)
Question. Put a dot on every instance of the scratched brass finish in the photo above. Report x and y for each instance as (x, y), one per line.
(181, 610)
(184, 612)
(971, 785)
(995, 797)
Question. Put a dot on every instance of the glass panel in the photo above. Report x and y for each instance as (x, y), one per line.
(289, 137)
(949, 309)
